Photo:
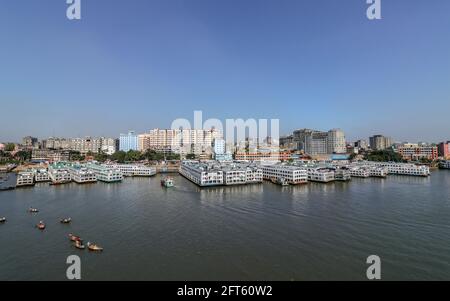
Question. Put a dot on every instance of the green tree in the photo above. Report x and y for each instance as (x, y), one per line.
(118, 156)
(9, 147)
(190, 156)
(23, 156)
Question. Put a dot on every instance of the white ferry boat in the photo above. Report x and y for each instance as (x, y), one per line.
(359, 172)
(407, 169)
(322, 175)
(59, 174)
(379, 171)
(342, 174)
(81, 175)
(291, 174)
(133, 170)
(445, 164)
(41, 175)
(202, 174)
(25, 178)
(106, 173)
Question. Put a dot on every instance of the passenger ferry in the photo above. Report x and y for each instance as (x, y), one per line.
(292, 174)
(133, 170)
(8, 181)
(25, 178)
(106, 173)
(81, 175)
(359, 172)
(59, 174)
(41, 175)
(445, 165)
(379, 172)
(407, 169)
(167, 182)
(342, 174)
(322, 175)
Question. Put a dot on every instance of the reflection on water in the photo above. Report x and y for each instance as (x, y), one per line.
(252, 232)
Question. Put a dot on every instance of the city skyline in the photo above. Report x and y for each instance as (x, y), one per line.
(137, 66)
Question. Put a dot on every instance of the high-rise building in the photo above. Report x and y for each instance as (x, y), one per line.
(109, 145)
(380, 142)
(315, 142)
(444, 149)
(86, 145)
(361, 144)
(29, 142)
(128, 141)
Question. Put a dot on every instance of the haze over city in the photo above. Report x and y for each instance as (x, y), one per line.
(141, 64)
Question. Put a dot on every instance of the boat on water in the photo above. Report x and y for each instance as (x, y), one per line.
(94, 247)
(167, 182)
(66, 220)
(79, 245)
(33, 210)
(2, 220)
(75, 238)
(8, 181)
(41, 225)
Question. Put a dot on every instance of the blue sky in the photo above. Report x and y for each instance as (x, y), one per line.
(139, 64)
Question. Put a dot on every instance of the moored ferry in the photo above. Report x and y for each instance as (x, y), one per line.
(322, 175)
(41, 175)
(59, 174)
(134, 170)
(25, 178)
(342, 174)
(81, 175)
(445, 164)
(106, 173)
(359, 172)
(379, 171)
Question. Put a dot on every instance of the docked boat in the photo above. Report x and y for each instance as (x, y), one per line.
(8, 181)
(75, 238)
(33, 210)
(41, 225)
(79, 245)
(94, 247)
(167, 182)
(66, 220)
(2, 220)
(25, 179)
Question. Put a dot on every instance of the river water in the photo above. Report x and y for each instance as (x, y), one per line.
(256, 232)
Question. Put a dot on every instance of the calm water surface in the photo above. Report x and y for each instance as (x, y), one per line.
(257, 232)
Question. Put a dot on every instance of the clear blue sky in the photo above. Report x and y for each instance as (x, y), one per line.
(139, 64)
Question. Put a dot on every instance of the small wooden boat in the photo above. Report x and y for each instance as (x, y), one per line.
(66, 220)
(167, 182)
(33, 210)
(79, 245)
(94, 247)
(75, 238)
(2, 220)
(41, 225)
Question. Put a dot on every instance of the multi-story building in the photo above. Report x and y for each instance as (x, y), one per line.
(109, 145)
(50, 155)
(287, 142)
(29, 142)
(416, 152)
(314, 142)
(263, 155)
(444, 150)
(86, 145)
(128, 141)
(361, 144)
(56, 143)
(380, 142)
